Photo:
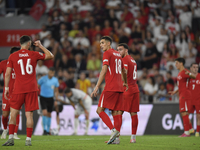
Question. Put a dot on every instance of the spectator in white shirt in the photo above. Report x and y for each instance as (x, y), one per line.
(195, 6)
(44, 33)
(41, 69)
(190, 55)
(172, 26)
(185, 18)
(182, 44)
(157, 27)
(85, 43)
(66, 5)
(113, 4)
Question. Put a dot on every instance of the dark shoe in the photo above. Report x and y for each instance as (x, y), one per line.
(10, 142)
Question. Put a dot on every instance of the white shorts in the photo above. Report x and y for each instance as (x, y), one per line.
(87, 104)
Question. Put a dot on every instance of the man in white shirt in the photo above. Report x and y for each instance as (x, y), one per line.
(44, 33)
(157, 27)
(172, 26)
(85, 43)
(185, 18)
(41, 69)
(83, 104)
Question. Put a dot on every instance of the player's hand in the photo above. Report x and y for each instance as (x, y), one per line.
(94, 93)
(126, 85)
(186, 72)
(6, 93)
(37, 43)
(172, 92)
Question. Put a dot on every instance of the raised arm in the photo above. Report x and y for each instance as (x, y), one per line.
(48, 54)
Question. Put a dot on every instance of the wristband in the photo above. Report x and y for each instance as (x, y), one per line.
(190, 74)
(6, 88)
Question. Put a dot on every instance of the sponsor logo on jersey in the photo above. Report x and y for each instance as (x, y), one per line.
(24, 55)
(179, 77)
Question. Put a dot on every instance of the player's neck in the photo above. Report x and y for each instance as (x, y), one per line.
(182, 68)
(108, 48)
(24, 47)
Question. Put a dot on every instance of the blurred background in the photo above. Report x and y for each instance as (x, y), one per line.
(157, 32)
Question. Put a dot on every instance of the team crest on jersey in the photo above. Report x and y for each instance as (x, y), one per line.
(179, 77)
(197, 82)
(41, 53)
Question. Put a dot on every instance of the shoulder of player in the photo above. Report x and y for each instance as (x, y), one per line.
(3, 62)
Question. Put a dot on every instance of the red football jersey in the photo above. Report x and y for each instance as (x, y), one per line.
(113, 76)
(131, 67)
(194, 87)
(3, 66)
(24, 62)
(183, 87)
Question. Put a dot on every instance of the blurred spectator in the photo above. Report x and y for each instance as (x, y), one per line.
(150, 89)
(69, 79)
(113, 4)
(157, 28)
(195, 8)
(56, 17)
(106, 30)
(190, 55)
(164, 57)
(74, 31)
(2, 7)
(49, 4)
(83, 83)
(136, 33)
(66, 5)
(135, 54)
(82, 40)
(94, 63)
(127, 16)
(77, 50)
(67, 22)
(173, 54)
(84, 8)
(91, 89)
(62, 84)
(112, 17)
(179, 5)
(41, 68)
(78, 63)
(182, 44)
(143, 78)
(169, 82)
(189, 33)
(172, 26)
(162, 93)
(164, 7)
(44, 33)
(171, 40)
(99, 12)
(96, 46)
(185, 18)
(150, 56)
(62, 63)
(66, 38)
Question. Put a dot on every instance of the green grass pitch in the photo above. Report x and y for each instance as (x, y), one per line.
(146, 142)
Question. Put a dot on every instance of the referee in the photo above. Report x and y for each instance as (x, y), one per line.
(49, 85)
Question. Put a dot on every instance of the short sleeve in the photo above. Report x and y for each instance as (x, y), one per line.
(106, 59)
(1, 67)
(39, 55)
(10, 62)
(57, 83)
(125, 64)
(185, 75)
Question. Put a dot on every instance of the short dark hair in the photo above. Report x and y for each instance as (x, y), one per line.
(60, 90)
(60, 78)
(107, 38)
(14, 49)
(51, 69)
(194, 64)
(67, 90)
(169, 72)
(180, 60)
(124, 45)
(24, 39)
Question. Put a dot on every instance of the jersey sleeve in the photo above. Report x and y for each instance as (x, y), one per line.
(39, 55)
(185, 75)
(10, 62)
(106, 59)
(125, 64)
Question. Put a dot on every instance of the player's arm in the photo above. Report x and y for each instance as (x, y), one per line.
(173, 92)
(124, 76)
(101, 77)
(190, 74)
(7, 80)
(81, 103)
(48, 54)
(73, 105)
(56, 92)
(58, 99)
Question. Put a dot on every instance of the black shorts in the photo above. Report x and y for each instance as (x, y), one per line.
(47, 103)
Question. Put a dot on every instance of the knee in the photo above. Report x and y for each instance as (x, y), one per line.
(5, 114)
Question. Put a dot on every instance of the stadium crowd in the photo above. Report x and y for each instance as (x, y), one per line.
(157, 33)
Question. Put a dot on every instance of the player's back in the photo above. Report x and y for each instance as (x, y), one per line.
(194, 87)
(3, 67)
(24, 63)
(113, 76)
(77, 95)
(183, 84)
(131, 67)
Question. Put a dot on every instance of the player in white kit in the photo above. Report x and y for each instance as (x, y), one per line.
(83, 104)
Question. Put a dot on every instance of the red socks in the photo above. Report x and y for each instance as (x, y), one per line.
(29, 132)
(117, 122)
(5, 122)
(106, 120)
(11, 128)
(17, 124)
(134, 124)
(198, 128)
(186, 122)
